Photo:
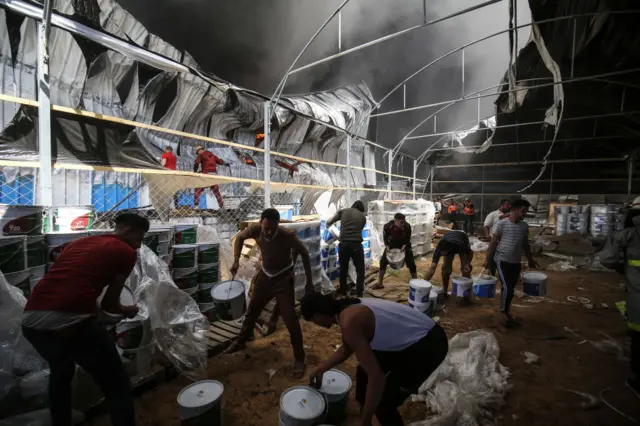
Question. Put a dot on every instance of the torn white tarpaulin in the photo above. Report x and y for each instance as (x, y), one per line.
(469, 384)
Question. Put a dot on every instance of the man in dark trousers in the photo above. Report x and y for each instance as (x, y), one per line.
(60, 317)
(469, 214)
(352, 221)
(208, 163)
(452, 243)
(279, 248)
(396, 235)
(509, 242)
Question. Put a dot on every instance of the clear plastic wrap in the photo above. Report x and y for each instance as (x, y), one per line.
(23, 373)
(177, 324)
(469, 384)
(477, 245)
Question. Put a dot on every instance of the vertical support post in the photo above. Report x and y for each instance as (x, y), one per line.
(390, 166)
(267, 154)
(44, 108)
(482, 198)
(404, 96)
(630, 165)
(340, 31)
(349, 171)
(415, 172)
(624, 92)
(573, 48)
(424, 10)
(435, 124)
(462, 51)
(432, 174)
(478, 123)
(550, 184)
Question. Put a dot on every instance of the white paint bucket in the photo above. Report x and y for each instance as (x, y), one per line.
(201, 404)
(335, 388)
(301, 406)
(484, 286)
(534, 283)
(462, 286)
(419, 291)
(57, 241)
(72, 218)
(425, 308)
(230, 299)
(21, 220)
(395, 257)
(438, 294)
(141, 357)
(134, 334)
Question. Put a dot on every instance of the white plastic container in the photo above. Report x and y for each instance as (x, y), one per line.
(462, 286)
(419, 291)
(201, 403)
(534, 283)
(484, 286)
(301, 406)
(230, 299)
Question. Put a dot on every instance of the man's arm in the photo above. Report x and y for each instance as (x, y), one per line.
(338, 357)
(335, 218)
(407, 236)
(163, 162)
(219, 160)
(354, 339)
(434, 264)
(386, 233)
(527, 251)
(196, 163)
(299, 247)
(492, 248)
(237, 248)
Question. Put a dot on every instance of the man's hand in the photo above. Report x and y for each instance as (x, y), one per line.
(315, 378)
(467, 268)
(130, 311)
(234, 268)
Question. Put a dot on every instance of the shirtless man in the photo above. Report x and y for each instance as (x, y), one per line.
(280, 248)
(397, 349)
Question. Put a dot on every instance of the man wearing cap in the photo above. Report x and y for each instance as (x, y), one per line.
(209, 166)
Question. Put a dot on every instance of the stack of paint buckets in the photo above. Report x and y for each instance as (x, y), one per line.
(309, 234)
(185, 259)
(425, 297)
(329, 248)
(158, 239)
(22, 246)
(208, 275)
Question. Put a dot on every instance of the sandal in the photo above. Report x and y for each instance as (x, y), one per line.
(299, 369)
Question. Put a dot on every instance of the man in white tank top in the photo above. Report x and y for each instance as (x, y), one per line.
(397, 350)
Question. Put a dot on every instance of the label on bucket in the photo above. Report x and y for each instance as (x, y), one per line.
(335, 382)
(302, 403)
(200, 394)
(28, 224)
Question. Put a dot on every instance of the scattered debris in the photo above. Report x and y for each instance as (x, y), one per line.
(530, 358)
(604, 305)
(631, 419)
(587, 306)
(582, 289)
(561, 266)
(592, 401)
(271, 372)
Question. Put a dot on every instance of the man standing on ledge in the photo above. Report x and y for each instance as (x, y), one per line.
(396, 235)
(169, 161)
(352, 221)
(60, 317)
(279, 248)
(209, 166)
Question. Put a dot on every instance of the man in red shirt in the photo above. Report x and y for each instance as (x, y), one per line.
(169, 161)
(209, 165)
(60, 317)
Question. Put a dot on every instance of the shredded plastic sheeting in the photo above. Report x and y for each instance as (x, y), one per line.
(209, 234)
(561, 266)
(177, 324)
(469, 385)
(477, 245)
(23, 373)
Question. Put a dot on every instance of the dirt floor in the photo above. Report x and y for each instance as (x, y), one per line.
(540, 394)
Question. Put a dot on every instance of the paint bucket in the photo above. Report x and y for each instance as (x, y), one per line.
(335, 388)
(462, 286)
(142, 358)
(438, 294)
(204, 292)
(21, 220)
(151, 240)
(134, 334)
(76, 218)
(209, 311)
(33, 282)
(484, 286)
(208, 273)
(230, 299)
(185, 278)
(395, 257)
(286, 212)
(419, 291)
(166, 258)
(193, 292)
(433, 302)
(13, 254)
(36, 251)
(186, 233)
(301, 406)
(534, 283)
(201, 404)
(20, 280)
(57, 241)
(367, 253)
(208, 252)
(185, 256)
(425, 307)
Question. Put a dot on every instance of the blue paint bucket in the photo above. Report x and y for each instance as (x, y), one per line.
(484, 286)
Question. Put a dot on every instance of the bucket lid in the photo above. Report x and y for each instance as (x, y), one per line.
(206, 306)
(185, 225)
(227, 290)
(420, 283)
(302, 403)
(335, 382)
(463, 280)
(11, 239)
(534, 276)
(203, 245)
(34, 238)
(200, 394)
(205, 266)
(184, 247)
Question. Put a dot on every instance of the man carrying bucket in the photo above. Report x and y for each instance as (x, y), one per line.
(510, 240)
(397, 348)
(452, 243)
(396, 235)
(279, 248)
(60, 317)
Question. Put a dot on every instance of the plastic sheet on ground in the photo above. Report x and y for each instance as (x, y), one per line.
(561, 266)
(23, 373)
(469, 385)
(177, 324)
(477, 245)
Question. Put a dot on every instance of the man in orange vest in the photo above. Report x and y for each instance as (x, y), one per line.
(452, 211)
(469, 214)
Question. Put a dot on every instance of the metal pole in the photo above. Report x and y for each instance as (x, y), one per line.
(44, 107)
(267, 154)
(573, 48)
(630, 176)
(462, 73)
(482, 198)
(432, 175)
(550, 184)
(349, 171)
(340, 31)
(415, 171)
(390, 153)
(404, 96)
